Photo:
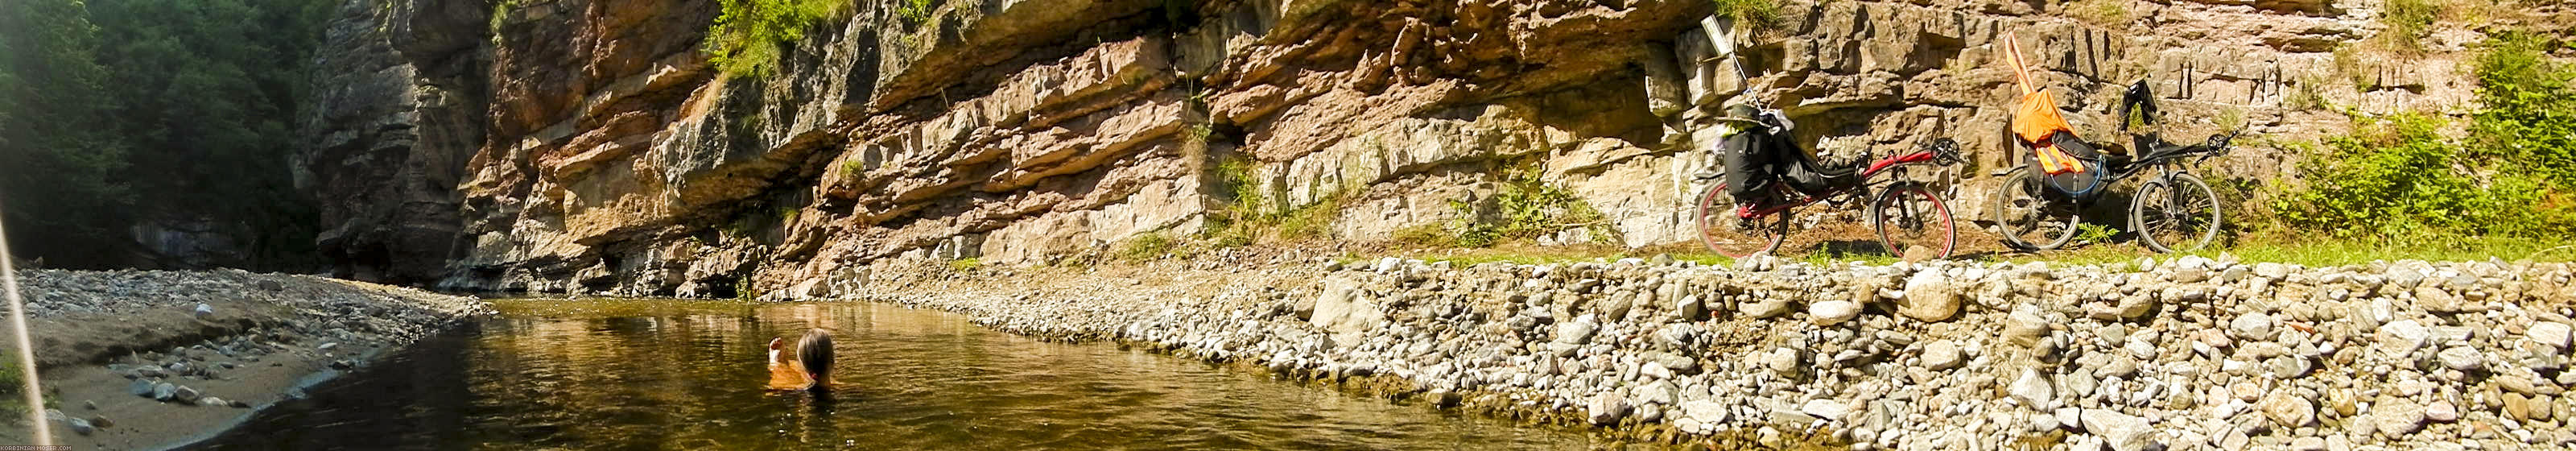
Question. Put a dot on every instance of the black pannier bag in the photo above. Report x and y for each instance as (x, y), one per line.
(1748, 169)
(1763, 152)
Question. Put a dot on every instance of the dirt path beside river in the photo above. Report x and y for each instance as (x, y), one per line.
(158, 359)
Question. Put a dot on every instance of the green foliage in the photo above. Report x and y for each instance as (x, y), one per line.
(853, 167)
(1149, 246)
(177, 113)
(2529, 120)
(2393, 178)
(744, 290)
(2408, 21)
(748, 36)
(2399, 179)
(2100, 12)
(500, 15)
(2094, 233)
(1757, 14)
(916, 11)
(1524, 208)
(1247, 216)
(966, 265)
(787, 215)
(52, 99)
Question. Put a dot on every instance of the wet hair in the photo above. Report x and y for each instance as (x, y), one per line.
(815, 353)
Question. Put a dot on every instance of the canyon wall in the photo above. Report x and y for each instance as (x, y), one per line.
(589, 146)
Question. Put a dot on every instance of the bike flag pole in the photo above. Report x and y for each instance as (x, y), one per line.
(2021, 69)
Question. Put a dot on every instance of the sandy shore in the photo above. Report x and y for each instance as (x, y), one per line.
(105, 336)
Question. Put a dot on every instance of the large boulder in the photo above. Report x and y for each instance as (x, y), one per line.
(1346, 311)
(1929, 296)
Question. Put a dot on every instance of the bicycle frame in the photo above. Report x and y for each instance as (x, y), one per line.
(1869, 178)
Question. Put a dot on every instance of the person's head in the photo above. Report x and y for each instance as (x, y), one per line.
(815, 353)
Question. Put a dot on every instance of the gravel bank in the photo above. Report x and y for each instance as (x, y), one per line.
(156, 359)
(2182, 353)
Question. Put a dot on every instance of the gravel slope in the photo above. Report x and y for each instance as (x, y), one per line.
(2184, 353)
(156, 359)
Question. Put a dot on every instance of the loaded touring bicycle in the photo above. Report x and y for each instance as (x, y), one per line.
(2039, 204)
(1766, 175)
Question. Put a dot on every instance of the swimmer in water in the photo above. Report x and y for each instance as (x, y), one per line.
(808, 367)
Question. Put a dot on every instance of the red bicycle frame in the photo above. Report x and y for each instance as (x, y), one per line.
(1881, 166)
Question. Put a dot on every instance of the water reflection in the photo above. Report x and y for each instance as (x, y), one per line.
(643, 374)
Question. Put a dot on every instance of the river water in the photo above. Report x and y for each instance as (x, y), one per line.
(675, 374)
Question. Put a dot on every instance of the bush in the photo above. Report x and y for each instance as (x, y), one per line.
(2392, 178)
(2399, 179)
(2529, 116)
(1149, 246)
(1525, 208)
(1247, 216)
(1756, 14)
(749, 35)
(2408, 21)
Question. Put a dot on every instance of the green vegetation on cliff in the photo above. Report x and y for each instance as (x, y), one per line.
(749, 35)
(123, 117)
(2399, 178)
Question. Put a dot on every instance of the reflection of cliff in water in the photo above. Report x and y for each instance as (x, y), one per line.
(684, 374)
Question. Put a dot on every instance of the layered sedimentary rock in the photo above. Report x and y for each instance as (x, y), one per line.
(398, 110)
(609, 156)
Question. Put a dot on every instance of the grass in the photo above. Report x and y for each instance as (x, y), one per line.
(2331, 252)
(2100, 12)
(2312, 253)
(1760, 14)
(1148, 246)
(1247, 218)
(2408, 21)
(969, 264)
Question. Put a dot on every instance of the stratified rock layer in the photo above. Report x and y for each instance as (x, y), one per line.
(579, 145)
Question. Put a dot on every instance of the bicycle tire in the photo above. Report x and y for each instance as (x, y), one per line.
(2183, 194)
(2020, 192)
(1735, 237)
(1934, 217)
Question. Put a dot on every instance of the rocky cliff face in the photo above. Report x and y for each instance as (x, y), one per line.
(573, 145)
(400, 92)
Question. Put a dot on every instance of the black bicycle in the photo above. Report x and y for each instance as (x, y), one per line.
(2172, 212)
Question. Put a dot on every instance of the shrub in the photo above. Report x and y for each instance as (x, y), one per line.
(2392, 178)
(2399, 179)
(2407, 22)
(917, 11)
(1247, 216)
(2528, 120)
(1525, 208)
(749, 35)
(2094, 233)
(1756, 14)
(1149, 246)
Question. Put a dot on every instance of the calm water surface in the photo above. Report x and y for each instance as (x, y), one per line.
(669, 374)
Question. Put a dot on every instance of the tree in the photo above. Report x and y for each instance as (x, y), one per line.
(59, 185)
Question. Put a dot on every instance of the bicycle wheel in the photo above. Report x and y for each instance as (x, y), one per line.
(1909, 215)
(1735, 236)
(2175, 214)
(2028, 217)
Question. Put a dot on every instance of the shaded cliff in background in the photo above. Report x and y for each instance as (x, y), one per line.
(573, 145)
